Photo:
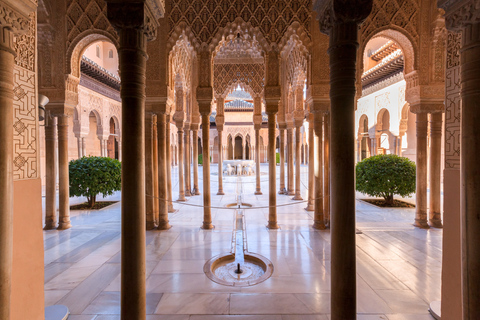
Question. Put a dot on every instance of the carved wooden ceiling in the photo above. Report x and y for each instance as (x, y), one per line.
(272, 17)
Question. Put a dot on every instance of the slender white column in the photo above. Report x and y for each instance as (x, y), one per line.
(196, 189)
(272, 177)
(149, 178)
(169, 165)
(220, 164)
(258, 188)
(63, 176)
(421, 176)
(298, 195)
(181, 185)
(282, 161)
(207, 214)
(436, 121)
(50, 172)
(311, 167)
(163, 223)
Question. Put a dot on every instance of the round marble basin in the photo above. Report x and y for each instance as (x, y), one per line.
(223, 269)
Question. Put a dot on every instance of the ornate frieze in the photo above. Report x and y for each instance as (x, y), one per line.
(251, 75)
(459, 14)
(99, 87)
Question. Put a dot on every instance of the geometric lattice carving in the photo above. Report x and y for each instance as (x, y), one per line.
(296, 63)
(225, 75)
(84, 15)
(24, 46)
(181, 57)
(402, 13)
(205, 17)
(25, 164)
(452, 102)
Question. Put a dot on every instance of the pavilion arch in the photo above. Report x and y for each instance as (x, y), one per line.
(381, 118)
(404, 118)
(180, 62)
(80, 44)
(98, 118)
(295, 30)
(361, 125)
(182, 30)
(404, 41)
(117, 125)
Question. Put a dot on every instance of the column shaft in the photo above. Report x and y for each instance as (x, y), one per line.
(318, 217)
(470, 173)
(421, 176)
(155, 169)
(6, 171)
(298, 145)
(311, 168)
(79, 144)
(149, 178)
(207, 213)
(63, 177)
(50, 172)
(196, 189)
(181, 185)
(84, 147)
(272, 176)
(291, 190)
(342, 52)
(282, 161)
(326, 168)
(220, 164)
(258, 188)
(187, 161)
(169, 165)
(435, 168)
(132, 57)
(163, 223)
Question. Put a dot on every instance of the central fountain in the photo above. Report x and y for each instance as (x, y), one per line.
(238, 267)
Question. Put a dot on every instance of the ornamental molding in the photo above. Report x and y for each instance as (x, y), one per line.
(460, 14)
(12, 19)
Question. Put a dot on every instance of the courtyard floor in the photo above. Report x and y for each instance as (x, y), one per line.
(398, 266)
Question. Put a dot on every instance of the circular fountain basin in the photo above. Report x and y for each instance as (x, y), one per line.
(221, 269)
(242, 205)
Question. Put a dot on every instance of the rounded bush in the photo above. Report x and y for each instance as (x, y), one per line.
(385, 176)
(90, 176)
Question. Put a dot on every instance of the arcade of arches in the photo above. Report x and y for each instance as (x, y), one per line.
(163, 84)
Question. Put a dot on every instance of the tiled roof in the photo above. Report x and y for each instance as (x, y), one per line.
(238, 105)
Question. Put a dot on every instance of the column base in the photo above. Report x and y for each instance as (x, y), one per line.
(290, 192)
(421, 224)
(150, 225)
(188, 194)
(220, 193)
(282, 190)
(272, 225)
(297, 197)
(435, 223)
(310, 207)
(171, 209)
(196, 191)
(181, 199)
(319, 225)
(64, 225)
(164, 226)
(258, 192)
(207, 226)
(50, 226)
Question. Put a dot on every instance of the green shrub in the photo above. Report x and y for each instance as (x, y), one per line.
(386, 175)
(90, 176)
(200, 159)
(277, 156)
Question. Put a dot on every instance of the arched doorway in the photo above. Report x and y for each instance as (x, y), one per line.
(238, 148)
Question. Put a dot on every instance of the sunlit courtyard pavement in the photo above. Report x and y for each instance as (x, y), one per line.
(398, 266)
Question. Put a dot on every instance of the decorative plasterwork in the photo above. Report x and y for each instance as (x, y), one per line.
(388, 13)
(181, 63)
(206, 17)
(24, 45)
(459, 14)
(25, 164)
(227, 75)
(295, 56)
(11, 19)
(85, 15)
(238, 47)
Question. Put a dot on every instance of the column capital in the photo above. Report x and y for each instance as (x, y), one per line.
(205, 99)
(460, 13)
(330, 12)
(143, 14)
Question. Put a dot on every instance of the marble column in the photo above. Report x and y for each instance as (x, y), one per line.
(84, 148)
(196, 189)
(470, 173)
(132, 54)
(155, 168)
(207, 213)
(326, 168)
(63, 176)
(187, 160)
(79, 145)
(282, 160)
(342, 51)
(163, 223)
(421, 175)
(149, 178)
(181, 185)
(101, 148)
(298, 145)
(169, 165)
(220, 163)
(436, 122)
(311, 166)
(258, 187)
(7, 55)
(50, 172)
(290, 185)
(272, 177)
(318, 217)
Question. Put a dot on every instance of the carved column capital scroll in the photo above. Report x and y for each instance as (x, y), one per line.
(330, 12)
(460, 14)
(13, 21)
(136, 15)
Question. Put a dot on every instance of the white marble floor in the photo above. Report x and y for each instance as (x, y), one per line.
(398, 266)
